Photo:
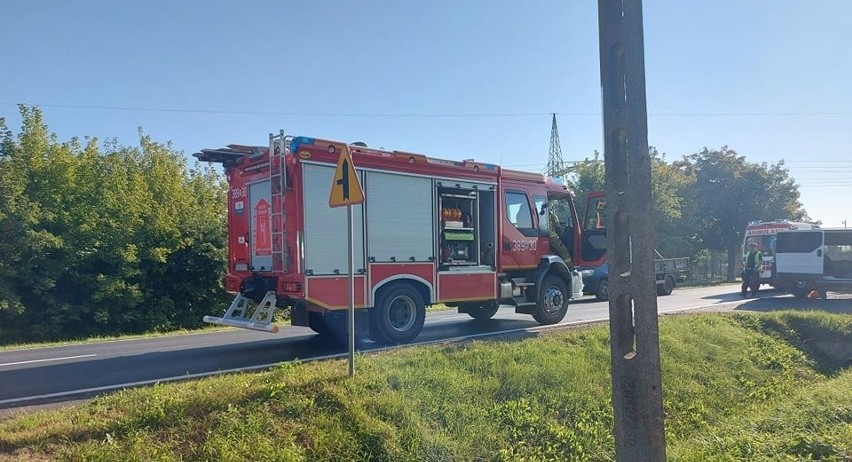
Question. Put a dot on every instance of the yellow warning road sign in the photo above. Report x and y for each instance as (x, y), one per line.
(345, 187)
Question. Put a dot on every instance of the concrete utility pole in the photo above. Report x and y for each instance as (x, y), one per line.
(634, 335)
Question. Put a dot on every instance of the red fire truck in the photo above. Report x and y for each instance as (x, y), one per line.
(466, 234)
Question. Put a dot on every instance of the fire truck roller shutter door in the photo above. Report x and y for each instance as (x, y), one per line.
(326, 246)
(400, 218)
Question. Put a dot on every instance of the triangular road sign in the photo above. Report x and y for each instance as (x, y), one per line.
(345, 187)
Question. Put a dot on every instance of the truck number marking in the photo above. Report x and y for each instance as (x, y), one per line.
(519, 246)
(239, 193)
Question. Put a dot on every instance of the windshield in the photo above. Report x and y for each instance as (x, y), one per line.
(765, 243)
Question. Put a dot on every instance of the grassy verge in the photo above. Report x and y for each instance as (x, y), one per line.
(736, 387)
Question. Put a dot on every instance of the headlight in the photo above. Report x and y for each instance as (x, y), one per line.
(241, 267)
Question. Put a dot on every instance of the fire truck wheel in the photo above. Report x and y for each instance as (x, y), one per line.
(552, 301)
(480, 311)
(332, 325)
(398, 315)
(317, 324)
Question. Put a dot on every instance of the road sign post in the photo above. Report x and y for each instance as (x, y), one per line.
(346, 191)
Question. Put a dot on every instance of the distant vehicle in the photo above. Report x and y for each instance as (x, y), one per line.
(763, 234)
(810, 262)
(668, 272)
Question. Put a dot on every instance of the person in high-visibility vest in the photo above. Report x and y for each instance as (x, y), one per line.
(752, 263)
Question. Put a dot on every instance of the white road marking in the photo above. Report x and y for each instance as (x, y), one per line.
(46, 360)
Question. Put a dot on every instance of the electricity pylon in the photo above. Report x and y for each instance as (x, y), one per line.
(555, 164)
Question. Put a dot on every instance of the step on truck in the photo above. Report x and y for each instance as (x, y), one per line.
(466, 234)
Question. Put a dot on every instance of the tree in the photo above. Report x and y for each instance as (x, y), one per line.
(730, 192)
(586, 176)
(105, 240)
(31, 248)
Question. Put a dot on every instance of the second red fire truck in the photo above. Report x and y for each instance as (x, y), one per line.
(463, 233)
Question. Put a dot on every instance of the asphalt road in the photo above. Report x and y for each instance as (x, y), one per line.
(37, 377)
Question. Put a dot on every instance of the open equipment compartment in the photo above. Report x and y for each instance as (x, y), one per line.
(466, 228)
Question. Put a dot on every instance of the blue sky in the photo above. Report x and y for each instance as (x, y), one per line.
(453, 79)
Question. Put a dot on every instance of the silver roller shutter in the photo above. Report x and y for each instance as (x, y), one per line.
(399, 217)
(325, 227)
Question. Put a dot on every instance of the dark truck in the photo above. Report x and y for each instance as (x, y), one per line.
(668, 271)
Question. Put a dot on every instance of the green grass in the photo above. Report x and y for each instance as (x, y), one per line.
(755, 387)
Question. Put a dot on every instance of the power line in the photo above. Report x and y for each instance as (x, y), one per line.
(279, 113)
(811, 162)
(750, 113)
(433, 115)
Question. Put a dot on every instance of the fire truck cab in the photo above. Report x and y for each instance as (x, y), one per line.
(463, 233)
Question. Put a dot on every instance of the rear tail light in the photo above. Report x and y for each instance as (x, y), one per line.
(292, 287)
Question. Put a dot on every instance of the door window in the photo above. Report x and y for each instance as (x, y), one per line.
(596, 213)
(518, 211)
(541, 208)
(798, 242)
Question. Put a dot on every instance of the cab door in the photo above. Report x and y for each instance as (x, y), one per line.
(520, 232)
(593, 245)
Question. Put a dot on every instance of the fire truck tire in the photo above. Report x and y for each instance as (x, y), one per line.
(317, 323)
(481, 311)
(552, 300)
(398, 316)
(331, 325)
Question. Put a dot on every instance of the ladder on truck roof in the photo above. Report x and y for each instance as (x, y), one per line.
(279, 146)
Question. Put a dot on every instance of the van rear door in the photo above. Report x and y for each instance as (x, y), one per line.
(799, 253)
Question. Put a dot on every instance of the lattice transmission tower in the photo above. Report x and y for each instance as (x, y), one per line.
(556, 167)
